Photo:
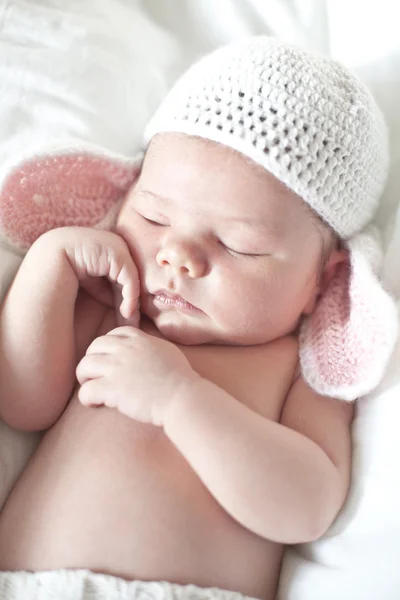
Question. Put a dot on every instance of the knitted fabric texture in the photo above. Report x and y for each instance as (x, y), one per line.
(60, 187)
(302, 117)
(316, 127)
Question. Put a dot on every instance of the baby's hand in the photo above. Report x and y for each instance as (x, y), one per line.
(97, 256)
(136, 373)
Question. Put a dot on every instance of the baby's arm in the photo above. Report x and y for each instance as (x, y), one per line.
(284, 481)
(37, 338)
(37, 334)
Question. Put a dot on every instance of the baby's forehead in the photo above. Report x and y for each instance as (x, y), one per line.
(205, 153)
(176, 162)
(167, 148)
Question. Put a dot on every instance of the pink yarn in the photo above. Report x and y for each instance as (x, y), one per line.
(54, 191)
(347, 341)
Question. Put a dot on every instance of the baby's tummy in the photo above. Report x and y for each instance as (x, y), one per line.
(112, 495)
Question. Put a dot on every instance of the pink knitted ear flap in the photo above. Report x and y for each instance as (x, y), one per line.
(346, 343)
(61, 189)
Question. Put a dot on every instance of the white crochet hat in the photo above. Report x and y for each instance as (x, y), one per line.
(302, 117)
(316, 127)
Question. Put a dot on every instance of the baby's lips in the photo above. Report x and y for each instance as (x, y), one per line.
(46, 192)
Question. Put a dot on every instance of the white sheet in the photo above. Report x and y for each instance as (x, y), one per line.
(94, 71)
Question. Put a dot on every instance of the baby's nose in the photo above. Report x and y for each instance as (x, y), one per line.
(184, 257)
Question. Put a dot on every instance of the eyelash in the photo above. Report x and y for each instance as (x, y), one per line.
(153, 222)
(229, 250)
(236, 253)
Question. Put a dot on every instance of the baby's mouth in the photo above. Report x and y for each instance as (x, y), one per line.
(165, 299)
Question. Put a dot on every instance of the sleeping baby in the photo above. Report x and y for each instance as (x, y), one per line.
(194, 367)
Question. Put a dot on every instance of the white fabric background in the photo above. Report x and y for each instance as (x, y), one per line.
(93, 71)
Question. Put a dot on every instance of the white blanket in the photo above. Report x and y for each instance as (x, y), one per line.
(93, 72)
(80, 584)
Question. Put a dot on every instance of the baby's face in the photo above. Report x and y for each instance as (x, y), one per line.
(225, 252)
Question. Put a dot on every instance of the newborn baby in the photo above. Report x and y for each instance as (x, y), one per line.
(196, 444)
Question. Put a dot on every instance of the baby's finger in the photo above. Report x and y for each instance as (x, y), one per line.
(126, 331)
(94, 393)
(93, 366)
(134, 319)
(110, 343)
(128, 279)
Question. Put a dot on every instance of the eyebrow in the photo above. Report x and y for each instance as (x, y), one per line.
(254, 223)
(156, 196)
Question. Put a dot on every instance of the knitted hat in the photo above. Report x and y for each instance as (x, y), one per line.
(313, 125)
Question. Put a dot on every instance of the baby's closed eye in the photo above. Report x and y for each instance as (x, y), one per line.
(242, 252)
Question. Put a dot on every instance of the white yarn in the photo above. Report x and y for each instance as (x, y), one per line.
(302, 117)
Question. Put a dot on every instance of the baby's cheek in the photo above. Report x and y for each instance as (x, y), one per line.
(245, 307)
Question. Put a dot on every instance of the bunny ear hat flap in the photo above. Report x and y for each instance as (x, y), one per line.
(62, 185)
(346, 343)
(314, 126)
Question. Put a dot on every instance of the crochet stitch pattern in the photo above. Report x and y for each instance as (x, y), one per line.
(302, 117)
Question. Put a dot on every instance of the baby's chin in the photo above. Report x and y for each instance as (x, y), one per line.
(181, 329)
(185, 335)
(188, 334)
(195, 330)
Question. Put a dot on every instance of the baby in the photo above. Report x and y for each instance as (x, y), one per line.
(220, 433)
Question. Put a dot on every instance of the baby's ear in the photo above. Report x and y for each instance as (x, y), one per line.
(336, 258)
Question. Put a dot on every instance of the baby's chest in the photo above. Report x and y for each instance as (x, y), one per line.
(258, 376)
